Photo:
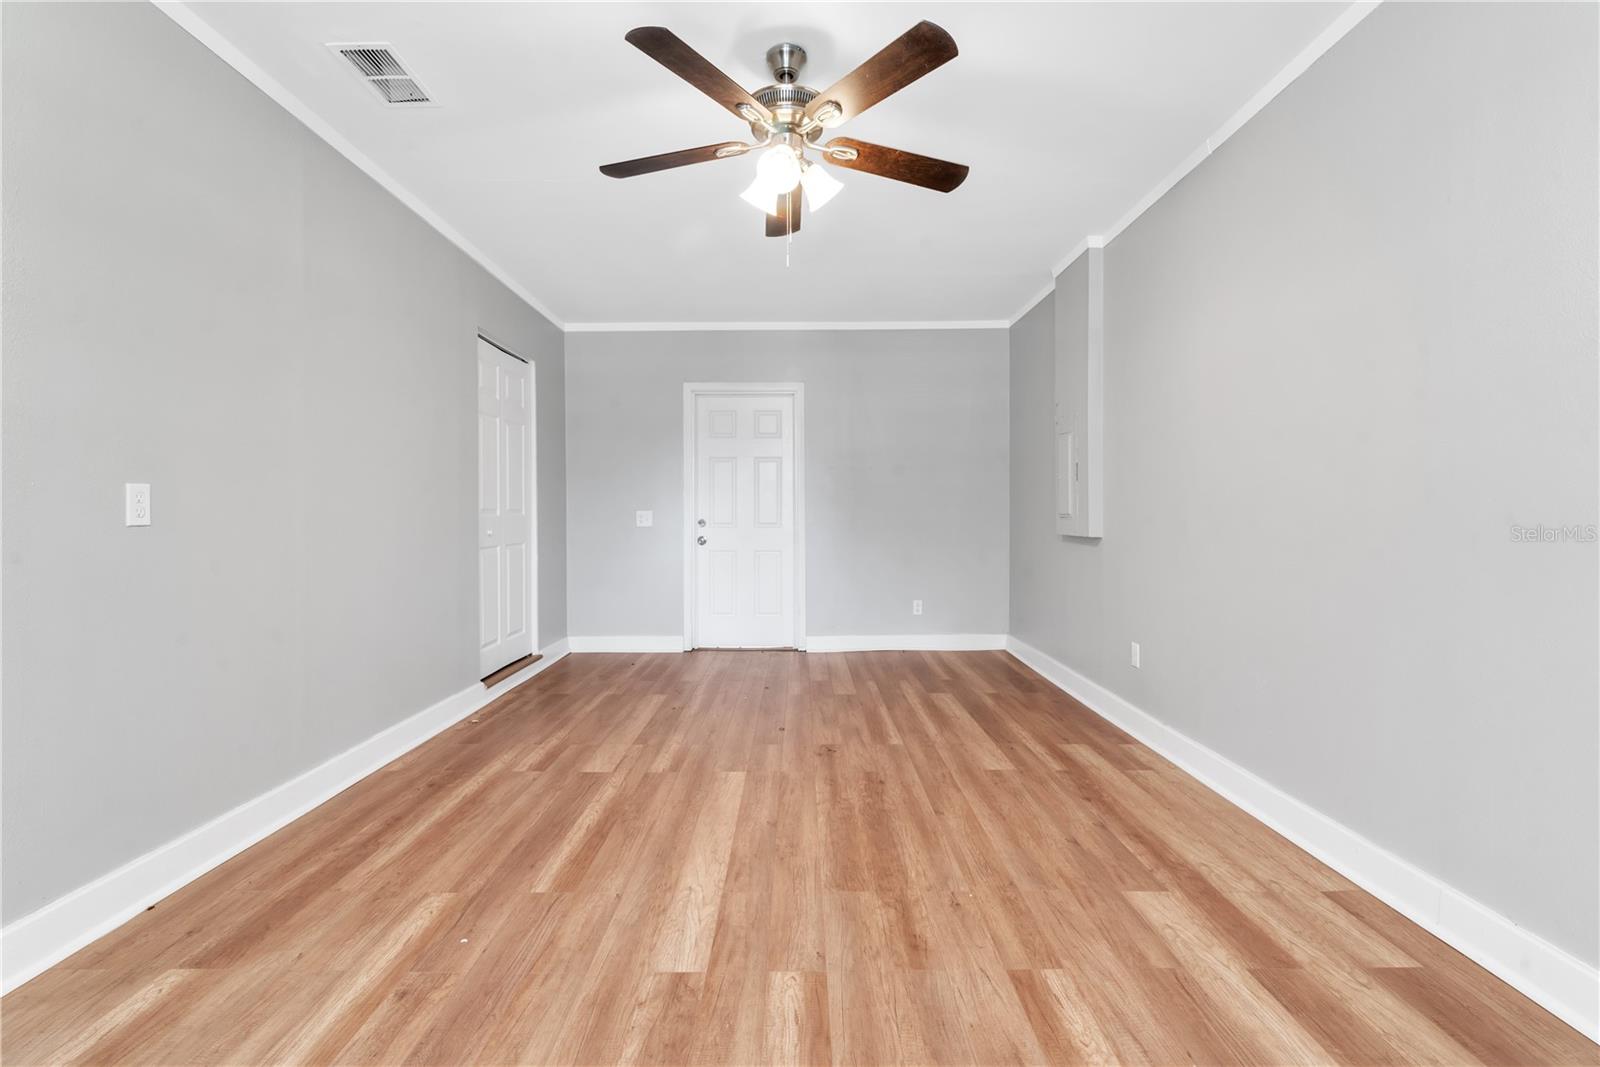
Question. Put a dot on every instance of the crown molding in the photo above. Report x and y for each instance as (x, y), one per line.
(1034, 302)
(202, 31)
(179, 12)
(709, 327)
(1335, 31)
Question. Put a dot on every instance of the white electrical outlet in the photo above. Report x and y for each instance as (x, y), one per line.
(136, 499)
(916, 607)
(644, 518)
(1133, 653)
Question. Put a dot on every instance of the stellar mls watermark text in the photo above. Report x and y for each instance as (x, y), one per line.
(1583, 534)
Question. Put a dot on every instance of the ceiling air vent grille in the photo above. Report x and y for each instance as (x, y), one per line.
(380, 68)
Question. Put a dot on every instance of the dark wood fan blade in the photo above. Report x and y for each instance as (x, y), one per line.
(925, 171)
(667, 160)
(922, 48)
(664, 46)
(787, 220)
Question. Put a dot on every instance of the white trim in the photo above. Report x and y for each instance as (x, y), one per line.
(533, 496)
(1347, 20)
(202, 31)
(907, 643)
(1563, 984)
(52, 933)
(1331, 35)
(862, 643)
(691, 390)
(1047, 291)
(608, 643)
(713, 327)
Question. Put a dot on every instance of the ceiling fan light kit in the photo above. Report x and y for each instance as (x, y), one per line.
(788, 120)
(779, 168)
(820, 186)
(758, 196)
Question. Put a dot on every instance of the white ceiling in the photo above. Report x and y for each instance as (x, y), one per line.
(1067, 114)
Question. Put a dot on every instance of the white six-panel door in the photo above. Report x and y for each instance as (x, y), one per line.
(745, 493)
(505, 524)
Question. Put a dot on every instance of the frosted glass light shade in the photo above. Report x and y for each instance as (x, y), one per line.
(760, 197)
(778, 169)
(820, 186)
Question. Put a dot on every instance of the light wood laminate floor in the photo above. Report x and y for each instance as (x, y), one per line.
(748, 858)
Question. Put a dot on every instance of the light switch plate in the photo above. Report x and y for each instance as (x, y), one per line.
(644, 518)
(1133, 653)
(137, 502)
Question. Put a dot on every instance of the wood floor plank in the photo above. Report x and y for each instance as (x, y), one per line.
(335, 1021)
(796, 1020)
(734, 858)
(1224, 977)
(106, 1038)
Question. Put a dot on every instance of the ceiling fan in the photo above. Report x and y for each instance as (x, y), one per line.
(788, 120)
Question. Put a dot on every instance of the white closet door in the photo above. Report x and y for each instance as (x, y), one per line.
(505, 527)
(745, 526)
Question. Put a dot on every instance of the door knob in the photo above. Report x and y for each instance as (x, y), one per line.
(700, 522)
(699, 540)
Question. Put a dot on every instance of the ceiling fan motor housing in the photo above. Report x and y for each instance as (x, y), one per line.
(785, 61)
(786, 98)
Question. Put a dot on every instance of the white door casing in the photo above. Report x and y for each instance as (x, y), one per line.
(506, 562)
(743, 503)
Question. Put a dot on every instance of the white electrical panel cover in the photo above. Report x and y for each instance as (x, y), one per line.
(1080, 374)
(1066, 476)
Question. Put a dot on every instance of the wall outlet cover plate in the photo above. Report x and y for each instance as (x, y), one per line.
(136, 499)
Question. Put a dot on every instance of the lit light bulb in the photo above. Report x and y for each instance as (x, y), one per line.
(778, 169)
(760, 197)
(820, 186)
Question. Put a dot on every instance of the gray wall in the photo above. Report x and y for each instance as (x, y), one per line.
(201, 294)
(905, 468)
(1344, 356)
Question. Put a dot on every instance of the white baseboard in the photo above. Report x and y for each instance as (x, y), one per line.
(906, 643)
(654, 643)
(45, 937)
(864, 643)
(1563, 984)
